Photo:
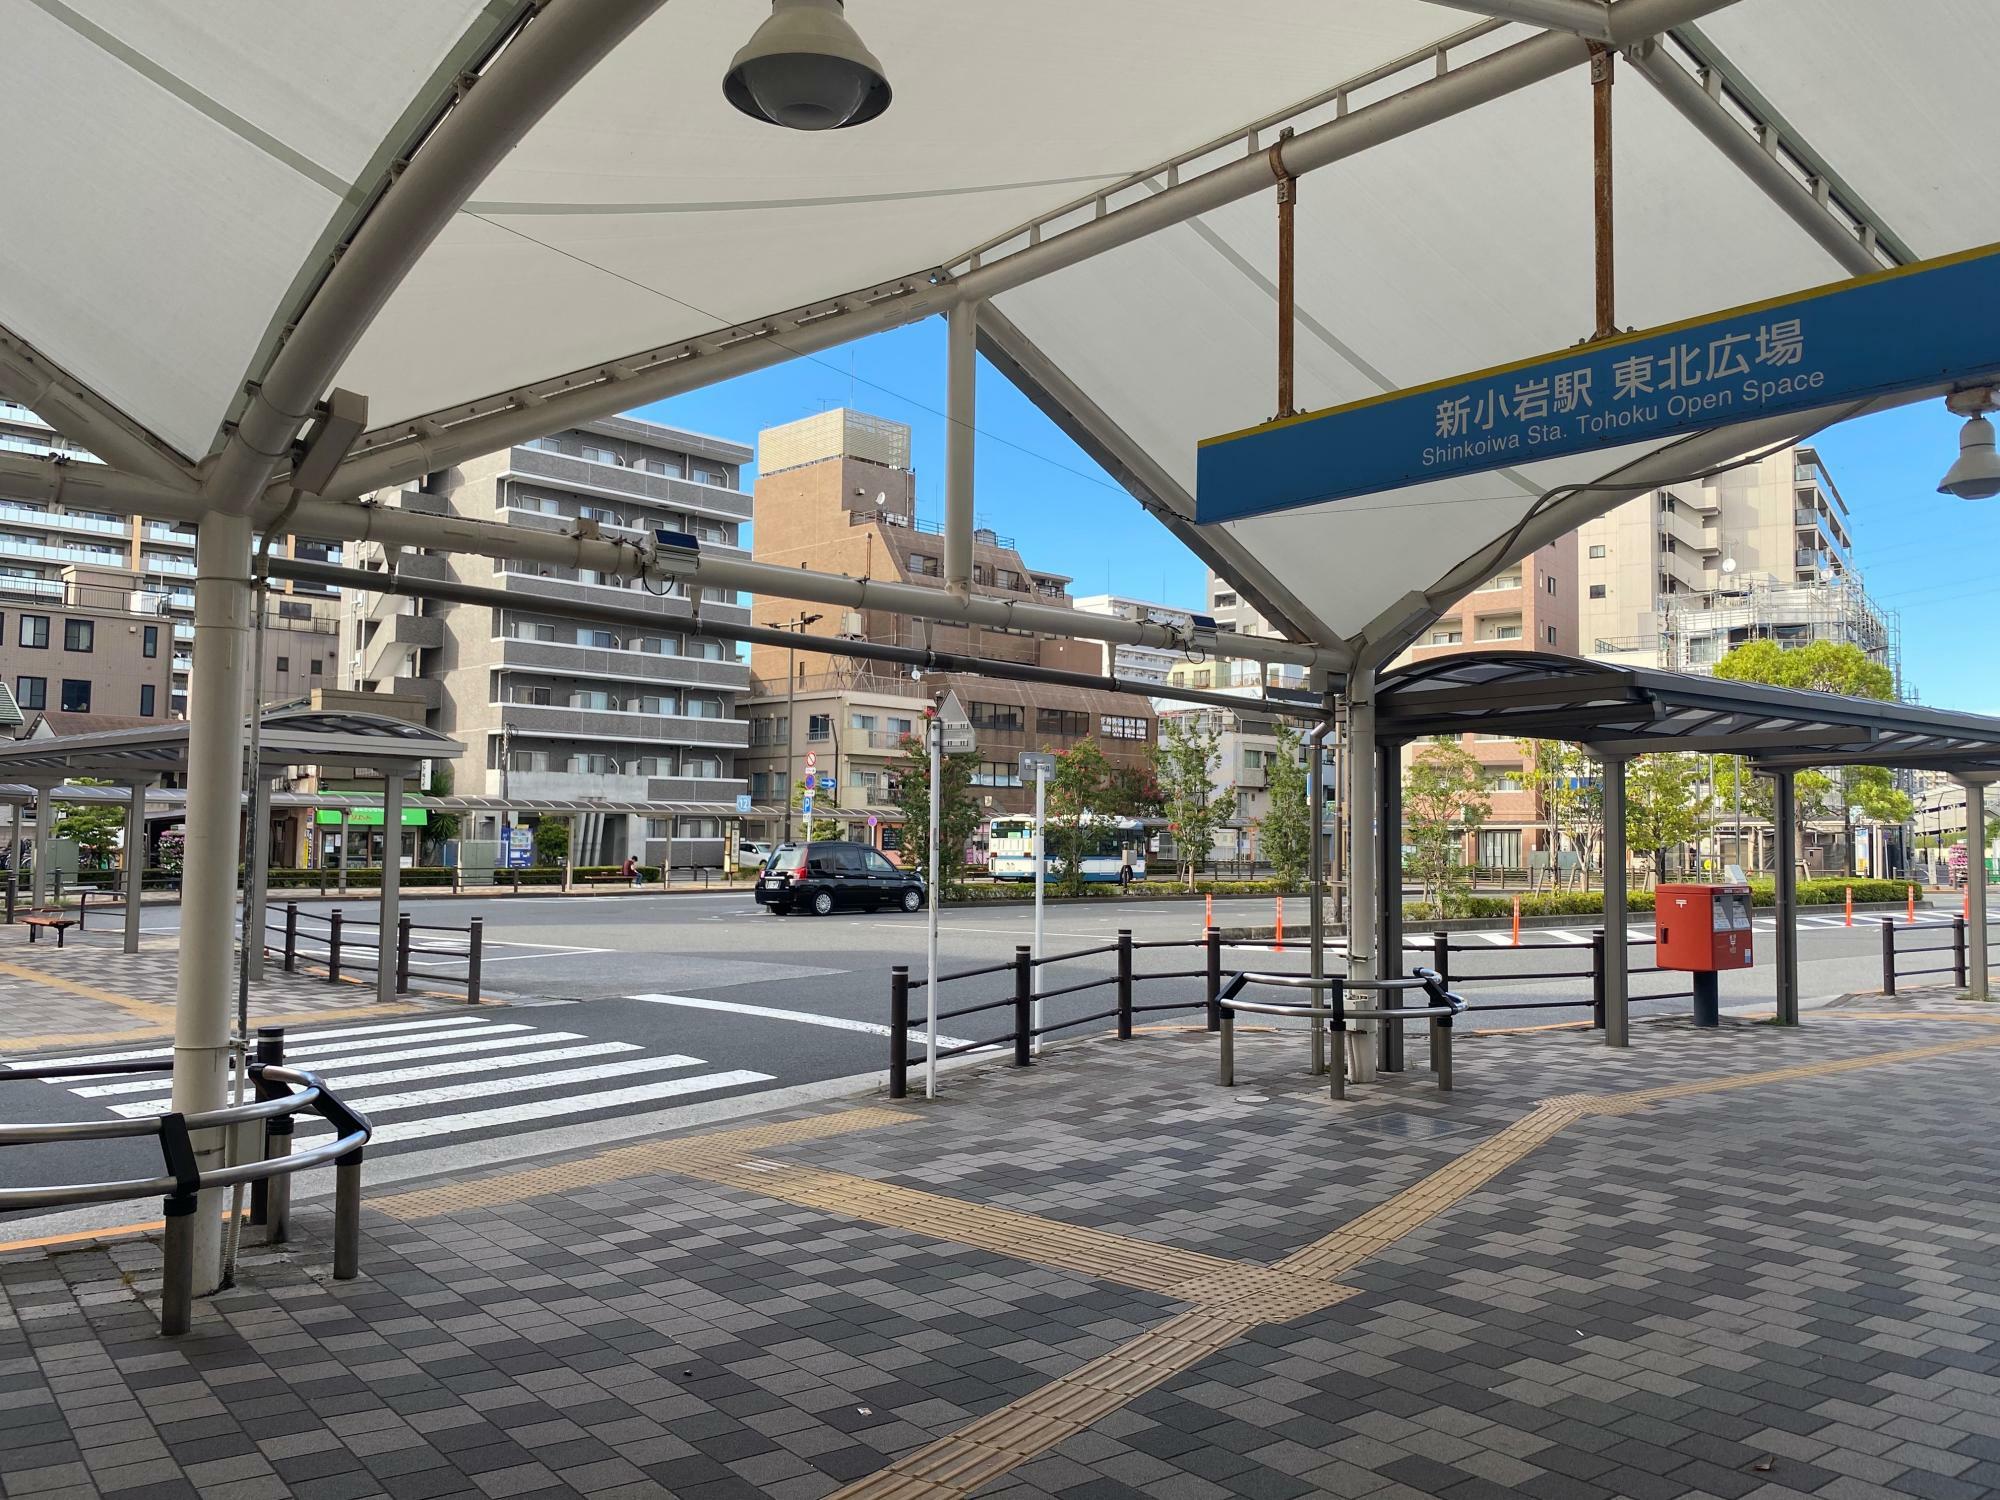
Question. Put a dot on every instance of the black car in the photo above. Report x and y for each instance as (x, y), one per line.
(830, 873)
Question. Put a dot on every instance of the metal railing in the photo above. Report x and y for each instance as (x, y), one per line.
(1334, 1014)
(340, 943)
(180, 1185)
(1896, 951)
(1025, 1032)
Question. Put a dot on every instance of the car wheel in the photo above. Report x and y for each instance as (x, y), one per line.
(823, 904)
(913, 900)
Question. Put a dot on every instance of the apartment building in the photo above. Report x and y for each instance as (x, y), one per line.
(39, 542)
(96, 652)
(1134, 663)
(837, 492)
(1763, 551)
(552, 710)
(1531, 605)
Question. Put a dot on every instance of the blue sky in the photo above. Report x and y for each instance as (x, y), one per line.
(1933, 559)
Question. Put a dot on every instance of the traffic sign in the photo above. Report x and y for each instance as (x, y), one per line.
(825, 783)
(872, 820)
(743, 802)
(955, 727)
(811, 760)
(806, 811)
(1033, 761)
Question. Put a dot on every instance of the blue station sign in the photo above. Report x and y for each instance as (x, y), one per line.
(1923, 324)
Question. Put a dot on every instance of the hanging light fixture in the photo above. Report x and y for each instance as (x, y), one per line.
(806, 69)
(1976, 475)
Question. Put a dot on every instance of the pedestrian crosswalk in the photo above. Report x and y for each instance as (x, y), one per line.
(413, 1079)
(1568, 937)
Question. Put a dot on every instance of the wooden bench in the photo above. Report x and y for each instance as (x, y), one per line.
(35, 921)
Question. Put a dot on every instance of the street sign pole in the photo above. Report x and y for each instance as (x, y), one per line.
(936, 737)
(1041, 882)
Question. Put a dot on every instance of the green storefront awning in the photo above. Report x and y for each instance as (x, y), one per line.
(371, 817)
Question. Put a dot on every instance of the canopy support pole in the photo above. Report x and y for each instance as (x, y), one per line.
(1389, 881)
(45, 816)
(961, 381)
(389, 907)
(1785, 818)
(1600, 119)
(1288, 194)
(208, 887)
(1361, 872)
(1316, 853)
(135, 860)
(1976, 973)
(1617, 956)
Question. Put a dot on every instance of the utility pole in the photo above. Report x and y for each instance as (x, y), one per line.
(797, 626)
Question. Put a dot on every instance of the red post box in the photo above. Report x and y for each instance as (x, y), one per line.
(1702, 929)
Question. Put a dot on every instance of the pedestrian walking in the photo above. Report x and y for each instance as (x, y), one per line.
(1125, 874)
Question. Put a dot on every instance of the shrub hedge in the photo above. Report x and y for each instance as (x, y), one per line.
(367, 877)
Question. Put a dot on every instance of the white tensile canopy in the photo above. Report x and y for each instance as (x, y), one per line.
(183, 171)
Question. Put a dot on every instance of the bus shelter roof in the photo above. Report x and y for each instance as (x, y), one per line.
(290, 737)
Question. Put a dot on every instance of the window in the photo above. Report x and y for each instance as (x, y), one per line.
(76, 695)
(150, 641)
(923, 565)
(584, 698)
(1225, 600)
(1121, 726)
(861, 721)
(661, 466)
(1500, 848)
(1597, 549)
(1549, 634)
(701, 765)
(819, 726)
(601, 638)
(1508, 580)
(996, 773)
(595, 765)
(35, 631)
(599, 455)
(79, 635)
(284, 664)
(31, 692)
(1006, 718)
(1500, 628)
(146, 692)
(601, 513)
(318, 666)
(1448, 634)
(1067, 723)
(703, 475)
(697, 828)
(1597, 591)
(1503, 778)
(1550, 583)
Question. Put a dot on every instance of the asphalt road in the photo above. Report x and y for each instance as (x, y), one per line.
(635, 1010)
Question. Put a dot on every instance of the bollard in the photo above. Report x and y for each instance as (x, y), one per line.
(347, 1217)
(1958, 951)
(82, 908)
(291, 936)
(1597, 980)
(514, 874)
(1441, 956)
(1124, 984)
(1888, 955)
(1441, 1051)
(1226, 1075)
(1024, 999)
(1207, 912)
(13, 891)
(475, 942)
(1336, 1064)
(1278, 925)
(1517, 921)
(270, 1049)
(899, 1031)
(1850, 906)
(333, 946)
(177, 1269)
(403, 954)
(1910, 914)
(1214, 941)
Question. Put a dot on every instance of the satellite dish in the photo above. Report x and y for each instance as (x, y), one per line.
(1729, 565)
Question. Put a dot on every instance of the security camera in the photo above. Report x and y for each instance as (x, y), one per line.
(1976, 475)
(806, 69)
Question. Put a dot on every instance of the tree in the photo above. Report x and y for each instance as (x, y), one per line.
(551, 842)
(443, 826)
(820, 828)
(1826, 667)
(96, 826)
(1571, 788)
(1073, 792)
(1184, 762)
(1285, 832)
(1664, 806)
(1130, 792)
(1444, 798)
(958, 814)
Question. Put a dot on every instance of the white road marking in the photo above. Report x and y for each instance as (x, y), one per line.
(430, 1070)
(543, 1109)
(804, 1017)
(316, 1036)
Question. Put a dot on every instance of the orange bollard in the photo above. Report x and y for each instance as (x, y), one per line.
(1517, 921)
(1910, 920)
(1278, 928)
(1208, 913)
(1965, 903)
(1850, 906)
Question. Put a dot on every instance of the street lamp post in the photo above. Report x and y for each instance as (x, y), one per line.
(797, 626)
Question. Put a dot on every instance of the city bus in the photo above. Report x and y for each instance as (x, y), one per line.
(1107, 844)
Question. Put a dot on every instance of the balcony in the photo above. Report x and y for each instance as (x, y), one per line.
(624, 666)
(671, 607)
(563, 471)
(392, 640)
(558, 721)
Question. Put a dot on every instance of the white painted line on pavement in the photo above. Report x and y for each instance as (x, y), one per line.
(430, 1070)
(769, 1013)
(166, 1047)
(543, 1109)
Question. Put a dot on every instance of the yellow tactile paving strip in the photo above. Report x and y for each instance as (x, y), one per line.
(146, 1010)
(28, 1046)
(1229, 1298)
